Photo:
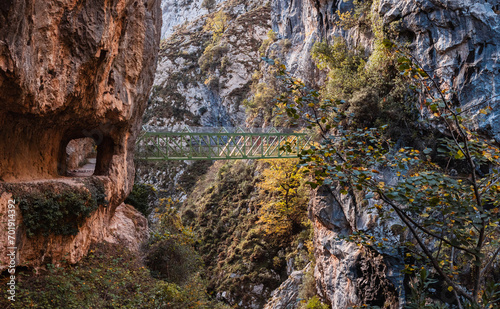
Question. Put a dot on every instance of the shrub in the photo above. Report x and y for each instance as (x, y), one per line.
(285, 44)
(315, 303)
(238, 253)
(271, 37)
(372, 87)
(172, 260)
(208, 4)
(141, 198)
(217, 24)
(59, 212)
(212, 56)
(109, 277)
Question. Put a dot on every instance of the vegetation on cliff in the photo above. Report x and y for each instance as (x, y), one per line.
(51, 208)
(445, 193)
(250, 220)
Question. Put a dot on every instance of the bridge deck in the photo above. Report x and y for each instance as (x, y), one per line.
(155, 146)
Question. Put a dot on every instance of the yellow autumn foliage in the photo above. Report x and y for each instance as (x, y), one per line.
(284, 210)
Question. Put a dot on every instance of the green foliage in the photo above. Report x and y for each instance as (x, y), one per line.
(452, 219)
(217, 24)
(208, 4)
(191, 295)
(374, 91)
(419, 288)
(141, 198)
(271, 37)
(315, 303)
(285, 44)
(51, 212)
(212, 56)
(360, 16)
(170, 255)
(265, 88)
(109, 277)
(307, 291)
(262, 100)
(285, 211)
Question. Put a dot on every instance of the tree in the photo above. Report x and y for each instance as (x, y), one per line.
(446, 194)
(284, 212)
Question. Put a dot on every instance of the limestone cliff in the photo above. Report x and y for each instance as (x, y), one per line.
(71, 70)
(197, 87)
(452, 39)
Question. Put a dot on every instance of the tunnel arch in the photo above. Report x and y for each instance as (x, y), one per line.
(85, 155)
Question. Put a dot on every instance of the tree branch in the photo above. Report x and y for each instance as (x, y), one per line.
(490, 262)
(425, 249)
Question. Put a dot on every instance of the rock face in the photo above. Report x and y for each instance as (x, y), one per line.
(128, 227)
(185, 94)
(456, 40)
(286, 296)
(209, 94)
(346, 274)
(175, 12)
(71, 70)
(77, 152)
(453, 39)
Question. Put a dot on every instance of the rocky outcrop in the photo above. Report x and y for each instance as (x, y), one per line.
(128, 227)
(456, 40)
(77, 152)
(185, 94)
(83, 69)
(210, 94)
(286, 296)
(452, 39)
(347, 274)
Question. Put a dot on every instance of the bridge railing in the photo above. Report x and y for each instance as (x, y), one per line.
(218, 145)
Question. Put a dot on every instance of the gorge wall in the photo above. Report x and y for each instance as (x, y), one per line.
(451, 39)
(455, 40)
(71, 70)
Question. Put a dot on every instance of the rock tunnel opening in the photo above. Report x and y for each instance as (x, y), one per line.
(87, 156)
(81, 157)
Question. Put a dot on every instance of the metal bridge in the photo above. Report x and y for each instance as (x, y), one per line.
(200, 143)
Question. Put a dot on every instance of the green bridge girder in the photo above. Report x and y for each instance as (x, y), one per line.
(218, 145)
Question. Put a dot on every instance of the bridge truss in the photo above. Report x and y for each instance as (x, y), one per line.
(219, 144)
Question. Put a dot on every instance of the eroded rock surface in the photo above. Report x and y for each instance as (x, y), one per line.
(346, 274)
(451, 38)
(68, 70)
(456, 40)
(176, 12)
(128, 227)
(185, 94)
(286, 295)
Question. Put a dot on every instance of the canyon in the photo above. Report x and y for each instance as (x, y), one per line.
(100, 72)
